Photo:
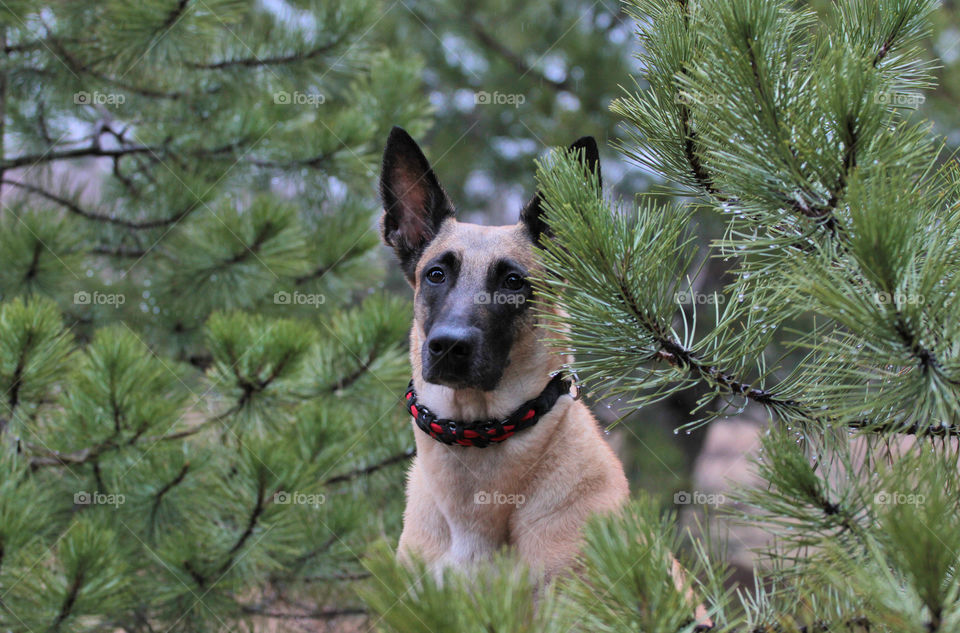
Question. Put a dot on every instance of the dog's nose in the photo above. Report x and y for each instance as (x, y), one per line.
(453, 342)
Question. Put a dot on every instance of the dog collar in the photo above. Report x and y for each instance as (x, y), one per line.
(483, 433)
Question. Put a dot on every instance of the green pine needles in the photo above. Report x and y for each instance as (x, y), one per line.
(198, 374)
(199, 377)
(841, 222)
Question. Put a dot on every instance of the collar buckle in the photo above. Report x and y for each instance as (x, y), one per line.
(575, 380)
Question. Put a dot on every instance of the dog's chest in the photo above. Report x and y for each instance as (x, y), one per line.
(476, 501)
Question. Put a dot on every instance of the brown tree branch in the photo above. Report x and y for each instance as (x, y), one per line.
(359, 472)
(256, 62)
(494, 45)
(73, 207)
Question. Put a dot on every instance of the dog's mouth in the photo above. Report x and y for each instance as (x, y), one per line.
(460, 371)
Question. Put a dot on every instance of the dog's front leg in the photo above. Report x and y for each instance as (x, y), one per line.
(425, 530)
(548, 544)
(679, 575)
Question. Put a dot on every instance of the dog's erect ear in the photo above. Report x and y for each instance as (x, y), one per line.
(532, 215)
(414, 203)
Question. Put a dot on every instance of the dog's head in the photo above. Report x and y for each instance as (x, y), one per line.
(472, 314)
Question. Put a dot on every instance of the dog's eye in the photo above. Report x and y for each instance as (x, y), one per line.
(436, 276)
(513, 281)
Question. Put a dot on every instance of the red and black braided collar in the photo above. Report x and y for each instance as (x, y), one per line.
(482, 433)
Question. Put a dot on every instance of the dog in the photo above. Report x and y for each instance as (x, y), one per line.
(506, 455)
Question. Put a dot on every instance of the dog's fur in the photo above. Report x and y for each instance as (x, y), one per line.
(552, 476)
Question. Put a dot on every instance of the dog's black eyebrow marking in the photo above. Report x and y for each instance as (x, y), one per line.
(504, 265)
(447, 259)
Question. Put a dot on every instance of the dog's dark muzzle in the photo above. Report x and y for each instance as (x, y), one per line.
(453, 356)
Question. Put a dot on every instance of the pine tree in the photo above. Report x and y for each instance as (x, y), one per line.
(514, 78)
(839, 320)
(198, 388)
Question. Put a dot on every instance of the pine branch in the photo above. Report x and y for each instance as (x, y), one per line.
(251, 524)
(766, 105)
(73, 207)
(494, 45)
(3, 102)
(95, 150)
(257, 62)
(700, 174)
(252, 387)
(674, 353)
(118, 251)
(65, 609)
(321, 614)
(14, 398)
(67, 58)
(158, 497)
(926, 358)
(42, 125)
(346, 381)
(248, 531)
(315, 274)
(172, 17)
(320, 271)
(858, 623)
(253, 248)
(196, 575)
(34, 45)
(822, 214)
(41, 457)
(313, 161)
(360, 472)
(345, 577)
(891, 38)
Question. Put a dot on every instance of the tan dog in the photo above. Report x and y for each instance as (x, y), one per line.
(478, 355)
